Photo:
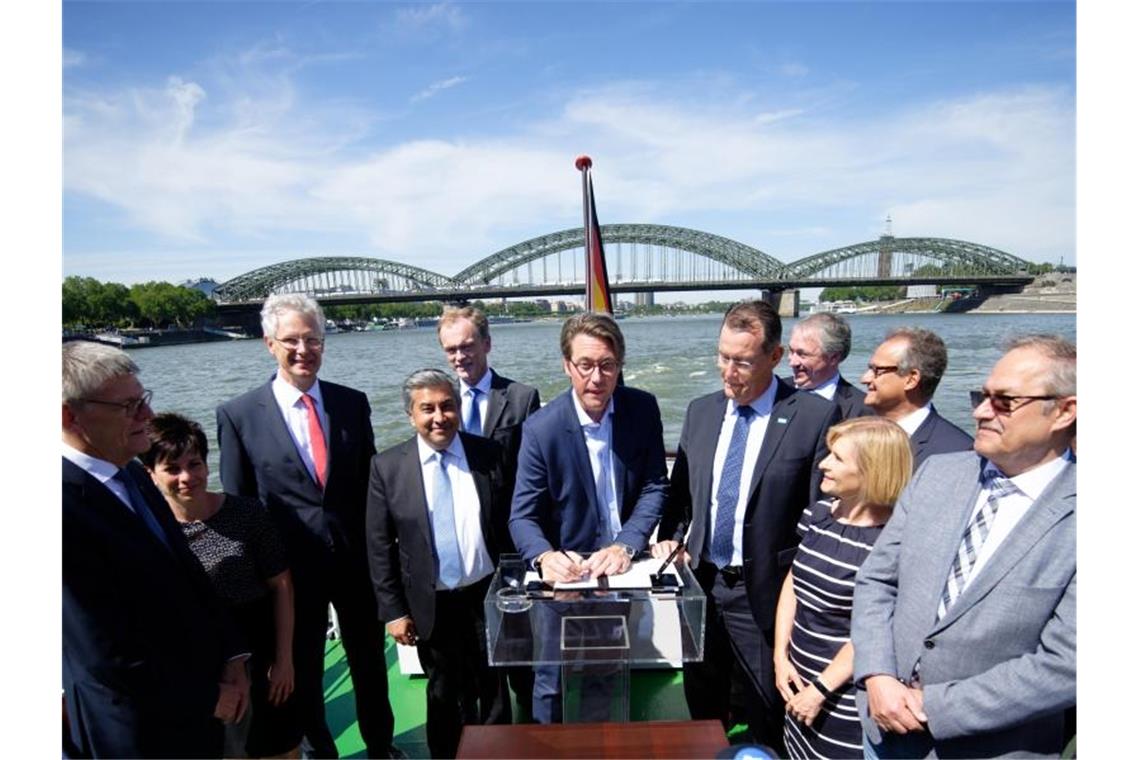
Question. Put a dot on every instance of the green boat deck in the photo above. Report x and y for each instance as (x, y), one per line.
(654, 695)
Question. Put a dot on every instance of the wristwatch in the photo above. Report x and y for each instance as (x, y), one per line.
(629, 552)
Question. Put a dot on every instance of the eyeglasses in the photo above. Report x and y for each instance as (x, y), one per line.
(878, 370)
(292, 344)
(741, 364)
(586, 368)
(130, 407)
(1003, 404)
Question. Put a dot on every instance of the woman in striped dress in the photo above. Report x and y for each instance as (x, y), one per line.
(868, 465)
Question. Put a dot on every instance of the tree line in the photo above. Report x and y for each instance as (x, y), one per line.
(89, 303)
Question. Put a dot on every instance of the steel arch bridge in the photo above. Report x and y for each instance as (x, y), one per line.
(890, 258)
(746, 261)
(330, 275)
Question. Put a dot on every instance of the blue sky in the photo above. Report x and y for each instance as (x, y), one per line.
(207, 139)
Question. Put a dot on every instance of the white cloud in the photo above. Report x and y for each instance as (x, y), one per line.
(794, 70)
(436, 87)
(447, 15)
(73, 58)
(217, 168)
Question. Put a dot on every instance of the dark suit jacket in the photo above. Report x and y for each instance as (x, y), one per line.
(554, 504)
(508, 404)
(937, 435)
(259, 458)
(144, 637)
(400, 544)
(786, 480)
(849, 399)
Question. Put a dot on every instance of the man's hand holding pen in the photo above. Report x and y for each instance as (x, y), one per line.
(562, 566)
(668, 551)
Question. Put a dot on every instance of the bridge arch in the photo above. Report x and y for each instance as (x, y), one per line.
(749, 261)
(961, 255)
(329, 274)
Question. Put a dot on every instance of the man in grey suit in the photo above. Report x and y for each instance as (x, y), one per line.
(495, 407)
(901, 379)
(816, 348)
(436, 525)
(964, 621)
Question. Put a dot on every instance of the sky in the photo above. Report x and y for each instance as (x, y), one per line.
(207, 139)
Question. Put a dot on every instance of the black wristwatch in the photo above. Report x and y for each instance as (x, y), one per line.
(629, 552)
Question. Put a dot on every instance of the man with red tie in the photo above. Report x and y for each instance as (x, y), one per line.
(303, 446)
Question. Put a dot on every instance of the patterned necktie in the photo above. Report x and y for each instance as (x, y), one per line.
(474, 422)
(316, 439)
(140, 508)
(728, 490)
(443, 520)
(973, 539)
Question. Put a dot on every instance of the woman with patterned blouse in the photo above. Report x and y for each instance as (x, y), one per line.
(238, 546)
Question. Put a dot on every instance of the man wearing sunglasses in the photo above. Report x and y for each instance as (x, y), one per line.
(304, 447)
(591, 474)
(901, 379)
(964, 620)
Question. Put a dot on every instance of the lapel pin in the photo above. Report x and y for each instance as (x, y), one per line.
(781, 420)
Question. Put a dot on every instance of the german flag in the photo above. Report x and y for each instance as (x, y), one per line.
(597, 278)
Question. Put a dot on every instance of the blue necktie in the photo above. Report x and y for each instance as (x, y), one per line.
(603, 491)
(443, 519)
(474, 423)
(140, 508)
(728, 490)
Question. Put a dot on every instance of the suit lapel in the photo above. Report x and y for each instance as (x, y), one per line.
(279, 430)
(330, 410)
(707, 421)
(783, 412)
(576, 442)
(623, 447)
(483, 489)
(1057, 501)
(417, 502)
(496, 403)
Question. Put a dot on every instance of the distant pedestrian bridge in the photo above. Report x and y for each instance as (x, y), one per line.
(639, 257)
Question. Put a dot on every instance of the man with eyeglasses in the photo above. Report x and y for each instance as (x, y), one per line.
(746, 467)
(151, 661)
(901, 379)
(493, 406)
(304, 446)
(591, 479)
(818, 345)
(964, 621)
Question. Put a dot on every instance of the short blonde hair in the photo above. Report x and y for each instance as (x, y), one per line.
(882, 454)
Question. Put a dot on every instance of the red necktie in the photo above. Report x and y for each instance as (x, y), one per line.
(316, 439)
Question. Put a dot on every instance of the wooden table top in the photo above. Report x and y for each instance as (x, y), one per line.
(674, 738)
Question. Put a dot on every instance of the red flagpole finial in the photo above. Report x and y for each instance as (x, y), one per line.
(583, 162)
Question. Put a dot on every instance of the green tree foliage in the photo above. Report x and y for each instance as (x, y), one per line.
(876, 293)
(90, 303)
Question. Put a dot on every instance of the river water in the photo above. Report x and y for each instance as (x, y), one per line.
(672, 357)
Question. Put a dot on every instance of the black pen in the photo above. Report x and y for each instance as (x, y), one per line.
(567, 556)
(676, 550)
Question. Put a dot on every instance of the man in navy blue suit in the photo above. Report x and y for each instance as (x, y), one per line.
(303, 446)
(747, 465)
(591, 474)
(901, 379)
(150, 660)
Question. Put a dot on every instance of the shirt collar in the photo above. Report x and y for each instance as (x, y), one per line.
(912, 421)
(288, 395)
(584, 419)
(483, 386)
(426, 452)
(1033, 482)
(827, 388)
(100, 469)
(762, 404)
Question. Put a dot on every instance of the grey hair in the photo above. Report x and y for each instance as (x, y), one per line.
(428, 378)
(925, 352)
(832, 332)
(279, 304)
(88, 366)
(1061, 379)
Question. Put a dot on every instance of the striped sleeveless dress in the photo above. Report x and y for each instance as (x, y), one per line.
(823, 576)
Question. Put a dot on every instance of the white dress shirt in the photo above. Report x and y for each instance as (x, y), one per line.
(1012, 508)
(912, 421)
(757, 427)
(465, 395)
(465, 498)
(827, 388)
(296, 416)
(600, 446)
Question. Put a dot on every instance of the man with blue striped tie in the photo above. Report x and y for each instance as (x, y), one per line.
(746, 467)
(964, 620)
